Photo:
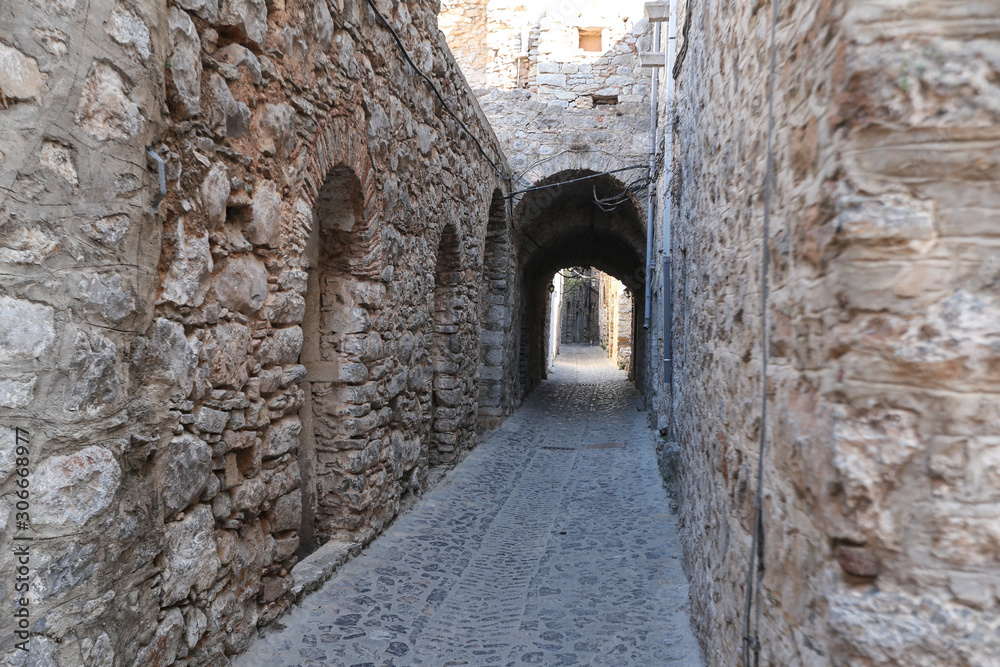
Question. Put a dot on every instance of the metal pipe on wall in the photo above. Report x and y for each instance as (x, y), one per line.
(668, 151)
(650, 210)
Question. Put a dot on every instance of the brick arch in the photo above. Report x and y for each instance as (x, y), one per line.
(341, 144)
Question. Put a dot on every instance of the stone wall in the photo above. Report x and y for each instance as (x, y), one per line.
(615, 319)
(269, 360)
(880, 542)
(538, 88)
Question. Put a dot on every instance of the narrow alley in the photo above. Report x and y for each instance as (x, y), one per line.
(552, 543)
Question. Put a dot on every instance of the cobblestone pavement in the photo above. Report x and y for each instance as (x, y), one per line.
(538, 549)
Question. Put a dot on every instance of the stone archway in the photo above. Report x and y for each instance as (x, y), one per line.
(561, 225)
(447, 352)
(494, 316)
(343, 261)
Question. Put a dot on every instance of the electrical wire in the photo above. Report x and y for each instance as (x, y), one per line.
(575, 180)
(437, 93)
(751, 642)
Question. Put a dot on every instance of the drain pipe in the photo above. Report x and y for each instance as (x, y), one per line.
(668, 164)
(651, 188)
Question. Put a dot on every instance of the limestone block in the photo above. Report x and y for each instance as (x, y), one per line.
(241, 284)
(20, 79)
(166, 355)
(206, 9)
(93, 380)
(215, 191)
(270, 380)
(209, 420)
(103, 295)
(353, 373)
(73, 489)
(59, 159)
(241, 57)
(191, 266)
(292, 375)
(192, 560)
(265, 222)
(891, 218)
(181, 471)
(286, 513)
(104, 110)
(282, 436)
(128, 30)
(284, 308)
(185, 63)
(26, 329)
(27, 245)
(250, 16)
(868, 454)
(162, 649)
(225, 115)
(226, 352)
(365, 459)
(195, 624)
(282, 347)
(274, 129)
(248, 496)
(323, 25)
(17, 392)
(109, 230)
(885, 628)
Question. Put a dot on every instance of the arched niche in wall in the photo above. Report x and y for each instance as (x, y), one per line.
(331, 317)
(494, 315)
(448, 384)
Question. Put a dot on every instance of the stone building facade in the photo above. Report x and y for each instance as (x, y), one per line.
(880, 536)
(268, 359)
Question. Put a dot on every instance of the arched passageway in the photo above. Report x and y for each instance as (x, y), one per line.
(565, 221)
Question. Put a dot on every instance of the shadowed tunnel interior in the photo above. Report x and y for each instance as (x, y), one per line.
(564, 226)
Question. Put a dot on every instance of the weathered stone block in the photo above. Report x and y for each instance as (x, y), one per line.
(192, 264)
(20, 79)
(282, 347)
(162, 649)
(17, 392)
(209, 420)
(191, 556)
(181, 472)
(215, 190)
(105, 111)
(26, 329)
(274, 129)
(74, 488)
(282, 436)
(249, 16)
(286, 513)
(93, 378)
(241, 284)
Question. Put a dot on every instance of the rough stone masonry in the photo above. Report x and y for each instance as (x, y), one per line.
(268, 360)
(881, 504)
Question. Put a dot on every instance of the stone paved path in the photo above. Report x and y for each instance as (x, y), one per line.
(538, 549)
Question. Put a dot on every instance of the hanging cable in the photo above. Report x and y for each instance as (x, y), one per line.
(575, 180)
(437, 93)
(751, 642)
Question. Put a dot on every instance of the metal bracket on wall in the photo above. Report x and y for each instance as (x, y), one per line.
(161, 174)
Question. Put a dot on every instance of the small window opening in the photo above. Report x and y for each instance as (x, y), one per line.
(605, 99)
(590, 39)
